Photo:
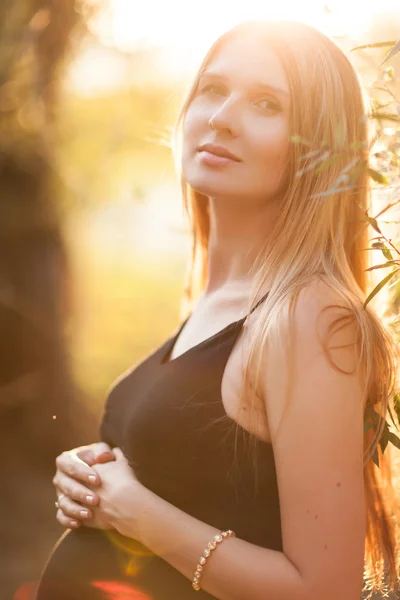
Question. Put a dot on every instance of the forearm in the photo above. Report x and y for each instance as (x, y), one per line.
(236, 570)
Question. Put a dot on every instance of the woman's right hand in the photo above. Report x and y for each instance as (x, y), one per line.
(73, 471)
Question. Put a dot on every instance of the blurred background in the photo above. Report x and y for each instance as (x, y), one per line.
(92, 242)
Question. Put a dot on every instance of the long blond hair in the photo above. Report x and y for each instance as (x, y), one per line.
(320, 233)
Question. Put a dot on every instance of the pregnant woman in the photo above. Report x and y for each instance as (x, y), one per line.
(234, 463)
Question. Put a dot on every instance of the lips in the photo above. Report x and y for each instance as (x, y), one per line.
(219, 151)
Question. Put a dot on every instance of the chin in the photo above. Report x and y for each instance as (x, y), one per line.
(207, 188)
(210, 184)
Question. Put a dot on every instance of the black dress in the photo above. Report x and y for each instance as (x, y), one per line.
(169, 420)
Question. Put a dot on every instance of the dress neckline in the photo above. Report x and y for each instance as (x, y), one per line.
(231, 326)
(172, 340)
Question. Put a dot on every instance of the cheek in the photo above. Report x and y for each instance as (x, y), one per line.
(272, 147)
(196, 122)
(194, 133)
(189, 134)
(192, 123)
(187, 152)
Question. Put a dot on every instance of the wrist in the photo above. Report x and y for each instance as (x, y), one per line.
(127, 520)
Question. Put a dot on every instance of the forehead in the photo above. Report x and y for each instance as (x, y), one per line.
(247, 60)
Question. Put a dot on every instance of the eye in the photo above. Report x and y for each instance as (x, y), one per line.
(214, 88)
(267, 104)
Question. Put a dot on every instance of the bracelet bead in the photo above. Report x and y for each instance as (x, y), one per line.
(218, 538)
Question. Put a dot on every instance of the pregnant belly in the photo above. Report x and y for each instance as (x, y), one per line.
(89, 564)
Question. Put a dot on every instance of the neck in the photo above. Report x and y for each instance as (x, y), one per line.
(237, 236)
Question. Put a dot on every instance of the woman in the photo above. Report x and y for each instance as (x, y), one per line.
(251, 420)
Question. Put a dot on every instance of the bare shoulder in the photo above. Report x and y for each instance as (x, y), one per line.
(319, 304)
(323, 323)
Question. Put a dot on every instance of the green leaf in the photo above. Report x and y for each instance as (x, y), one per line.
(384, 438)
(389, 263)
(310, 154)
(379, 106)
(392, 52)
(380, 285)
(385, 116)
(356, 172)
(375, 418)
(378, 177)
(358, 145)
(375, 45)
(375, 457)
(391, 416)
(385, 251)
(396, 404)
(374, 223)
(394, 439)
(367, 426)
(300, 140)
(326, 163)
(387, 254)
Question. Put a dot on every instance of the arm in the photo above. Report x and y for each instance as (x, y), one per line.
(318, 448)
(318, 453)
(236, 570)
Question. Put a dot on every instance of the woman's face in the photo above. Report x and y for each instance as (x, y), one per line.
(241, 103)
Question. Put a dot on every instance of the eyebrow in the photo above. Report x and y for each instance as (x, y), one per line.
(258, 86)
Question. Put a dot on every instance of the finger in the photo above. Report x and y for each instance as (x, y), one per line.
(98, 452)
(73, 510)
(74, 490)
(119, 455)
(105, 457)
(66, 521)
(70, 464)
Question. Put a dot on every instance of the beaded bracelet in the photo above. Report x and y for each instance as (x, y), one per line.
(220, 537)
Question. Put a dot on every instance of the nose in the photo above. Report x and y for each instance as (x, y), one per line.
(226, 118)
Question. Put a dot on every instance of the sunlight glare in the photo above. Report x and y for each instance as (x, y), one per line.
(163, 24)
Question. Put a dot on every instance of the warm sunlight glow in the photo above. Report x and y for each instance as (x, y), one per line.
(162, 43)
(192, 27)
(175, 35)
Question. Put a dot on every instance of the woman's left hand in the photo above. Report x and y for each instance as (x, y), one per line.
(120, 495)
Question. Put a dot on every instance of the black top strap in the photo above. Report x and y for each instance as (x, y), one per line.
(259, 302)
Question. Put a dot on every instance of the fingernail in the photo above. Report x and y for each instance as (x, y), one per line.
(74, 523)
(84, 514)
(89, 499)
(92, 478)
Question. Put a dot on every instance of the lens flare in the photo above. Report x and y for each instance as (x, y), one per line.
(26, 591)
(120, 591)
